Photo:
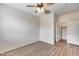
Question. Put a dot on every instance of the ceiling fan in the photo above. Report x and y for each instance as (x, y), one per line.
(41, 7)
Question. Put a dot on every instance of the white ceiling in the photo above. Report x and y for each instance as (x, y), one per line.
(57, 8)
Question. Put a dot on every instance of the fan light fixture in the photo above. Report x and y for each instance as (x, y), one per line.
(40, 9)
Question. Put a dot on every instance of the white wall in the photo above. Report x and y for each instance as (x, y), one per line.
(71, 21)
(17, 28)
(64, 19)
(73, 32)
(47, 28)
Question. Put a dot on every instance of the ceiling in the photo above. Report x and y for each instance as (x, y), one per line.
(57, 8)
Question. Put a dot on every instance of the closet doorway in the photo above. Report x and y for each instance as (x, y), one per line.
(63, 34)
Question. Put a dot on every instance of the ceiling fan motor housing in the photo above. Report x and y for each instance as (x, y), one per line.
(40, 5)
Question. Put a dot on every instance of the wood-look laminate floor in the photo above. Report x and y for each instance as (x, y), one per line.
(44, 49)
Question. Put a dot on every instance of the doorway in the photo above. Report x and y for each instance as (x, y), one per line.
(63, 34)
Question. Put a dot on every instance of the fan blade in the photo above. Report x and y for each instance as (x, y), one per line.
(30, 6)
(49, 4)
(47, 11)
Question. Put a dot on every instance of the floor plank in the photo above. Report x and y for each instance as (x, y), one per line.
(44, 49)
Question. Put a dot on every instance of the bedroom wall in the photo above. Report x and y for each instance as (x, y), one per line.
(47, 28)
(17, 28)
